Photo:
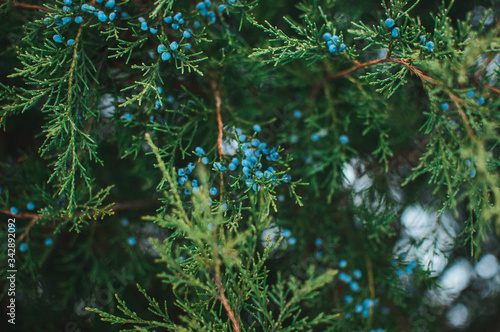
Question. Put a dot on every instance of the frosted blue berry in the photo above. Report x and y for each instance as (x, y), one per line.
(144, 26)
(259, 174)
(49, 242)
(399, 272)
(103, 18)
(158, 104)
(141, 19)
(332, 48)
(471, 94)
(161, 48)
(199, 151)
(430, 46)
(211, 15)
(124, 222)
(207, 3)
(223, 207)
(200, 5)
(445, 106)
(327, 36)
(342, 48)
(409, 270)
(319, 254)
(335, 39)
(480, 101)
(348, 299)
(177, 16)
(222, 8)
(389, 23)
(67, 9)
(286, 178)
(204, 160)
(343, 139)
(242, 138)
(30, 206)
(196, 24)
(314, 137)
(68, 2)
(110, 4)
(70, 42)
(131, 240)
(165, 56)
(174, 46)
(187, 34)
(153, 30)
(236, 161)
(357, 274)
(78, 19)
(232, 167)
(57, 39)
(292, 241)
(318, 242)
(203, 12)
(168, 19)
(343, 263)
(14, 210)
(297, 114)
(23, 247)
(128, 116)
(112, 16)
(354, 286)
(358, 308)
(395, 33)
(366, 312)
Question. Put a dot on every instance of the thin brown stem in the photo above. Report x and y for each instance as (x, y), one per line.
(220, 126)
(222, 296)
(28, 6)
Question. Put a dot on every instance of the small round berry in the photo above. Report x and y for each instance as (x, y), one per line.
(23, 247)
(141, 19)
(14, 210)
(399, 272)
(332, 48)
(168, 19)
(232, 167)
(242, 138)
(204, 160)
(70, 41)
(110, 4)
(30, 206)
(196, 24)
(471, 94)
(161, 48)
(165, 56)
(257, 128)
(208, 3)
(177, 16)
(181, 21)
(292, 241)
(78, 19)
(131, 240)
(175, 26)
(68, 2)
(213, 191)
(144, 26)
(480, 101)
(286, 233)
(112, 16)
(153, 30)
(286, 178)
(174, 46)
(222, 8)
(343, 263)
(223, 207)
(347, 316)
(124, 222)
(343, 139)
(57, 39)
(49, 242)
(348, 299)
(103, 18)
(354, 286)
(200, 5)
(187, 34)
(342, 47)
(445, 106)
(366, 312)
(357, 274)
(358, 308)
(199, 151)
(128, 116)
(430, 46)
(318, 242)
(327, 36)
(335, 39)
(395, 33)
(314, 137)
(319, 254)
(389, 23)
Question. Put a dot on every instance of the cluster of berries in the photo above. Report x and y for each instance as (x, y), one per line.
(332, 42)
(429, 45)
(391, 25)
(408, 269)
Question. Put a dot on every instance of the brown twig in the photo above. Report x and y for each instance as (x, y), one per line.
(219, 118)
(222, 296)
(28, 6)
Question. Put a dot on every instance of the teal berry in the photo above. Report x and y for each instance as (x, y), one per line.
(57, 39)
(348, 299)
(480, 101)
(187, 34)
(196, 24)
(344, 139)
(327, 36)
(343, 263)
(200, 6)
(342, 48)
(222, 8)
(199, 151)
(208, 3)
(395, 33)
(168, 19)
(68, 2)
(124, 222)
(236, 161)
(30, 206)
(332, 48)
(358, 308)
(430, 46)
(335, 39)
(153, 30)
(177, 16)
(78, 19)
(445, 106)
(213, 191)
(232, 167)
(354, 286)
(103, 18)
(110, 4)
(204, 160)
(292, 241)
(14, 210)
(174, 46)
(318, 242)
(131, 240)
(128, 116)
(49, 242)
(0, 190)
(297, 114)
(112, 16)
(175, 26)
(144, 26)
(161, 48)
(242, 138)
(319, 254)
(70, 42)
(141, 19)
(471, 94)
(165, 56)
(366, 312)
(23, 247)
(357, 274)
(223, 207)
(389, 23)
(314, 137)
